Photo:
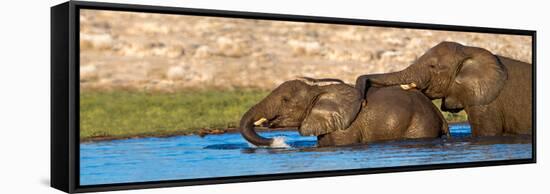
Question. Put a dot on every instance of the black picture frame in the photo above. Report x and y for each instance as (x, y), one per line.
(65, 94)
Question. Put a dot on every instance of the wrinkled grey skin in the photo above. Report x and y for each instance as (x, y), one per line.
(338, 115)
(495, 91)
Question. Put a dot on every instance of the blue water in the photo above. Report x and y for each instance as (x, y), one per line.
(189, 157)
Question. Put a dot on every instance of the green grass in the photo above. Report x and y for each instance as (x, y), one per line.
(136, 114)
(130, 114)
(452, 117)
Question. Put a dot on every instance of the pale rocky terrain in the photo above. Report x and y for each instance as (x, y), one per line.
(167, 53)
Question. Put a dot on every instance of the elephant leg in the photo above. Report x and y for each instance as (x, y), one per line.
(484, 121)
(444, 125)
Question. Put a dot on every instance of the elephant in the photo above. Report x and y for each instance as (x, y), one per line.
(494, 91)
(338, 114)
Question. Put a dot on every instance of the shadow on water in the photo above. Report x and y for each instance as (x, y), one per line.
(460, 135)
(311, 145)
(248, 148)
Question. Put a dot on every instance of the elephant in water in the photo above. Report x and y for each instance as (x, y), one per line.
(337, 113)
(495, 91)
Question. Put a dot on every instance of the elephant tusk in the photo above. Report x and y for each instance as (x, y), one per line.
(408, 86)
(260, 121)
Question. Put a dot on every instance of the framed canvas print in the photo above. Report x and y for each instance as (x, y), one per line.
(149, 96)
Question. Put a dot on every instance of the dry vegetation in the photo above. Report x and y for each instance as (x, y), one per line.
(156, 52)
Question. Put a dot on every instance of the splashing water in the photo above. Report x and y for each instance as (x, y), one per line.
(279, 142)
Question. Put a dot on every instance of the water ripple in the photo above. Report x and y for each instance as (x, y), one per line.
(190, 157)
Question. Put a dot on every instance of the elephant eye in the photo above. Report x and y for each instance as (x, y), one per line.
(432, 66)
(286, 99)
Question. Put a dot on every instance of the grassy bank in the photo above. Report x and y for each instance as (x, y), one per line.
(131, 114)
(112, 115)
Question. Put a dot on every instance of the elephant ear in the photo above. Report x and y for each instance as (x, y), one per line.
(334, 109)
(479, 79)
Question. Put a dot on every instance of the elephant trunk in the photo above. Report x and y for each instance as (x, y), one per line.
(406, 78)
(248, 121)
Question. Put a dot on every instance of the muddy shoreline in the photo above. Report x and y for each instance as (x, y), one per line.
(201, 133)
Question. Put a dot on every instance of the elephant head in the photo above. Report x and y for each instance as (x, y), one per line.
(314, 106)
(461, 75)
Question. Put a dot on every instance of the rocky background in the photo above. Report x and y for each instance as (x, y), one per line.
(167, 53)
